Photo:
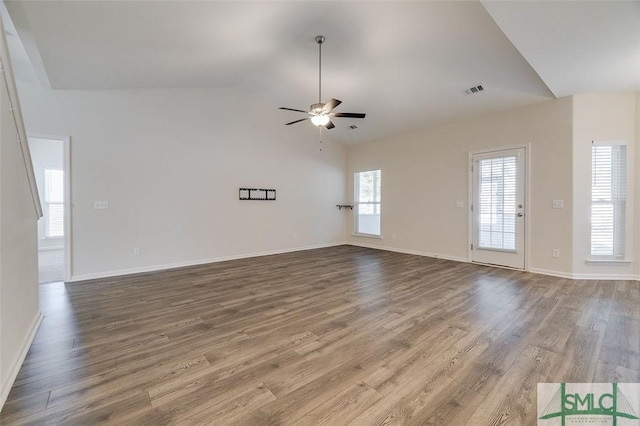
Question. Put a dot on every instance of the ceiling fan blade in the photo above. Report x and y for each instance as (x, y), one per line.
(297, 121)
(296, 110)
(331, 105)
(349, 114)
(329, 125)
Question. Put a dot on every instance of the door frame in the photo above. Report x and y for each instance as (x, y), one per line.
(526, 197)
(66, 165)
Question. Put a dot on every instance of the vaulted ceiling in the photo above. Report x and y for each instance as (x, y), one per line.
(403, 63)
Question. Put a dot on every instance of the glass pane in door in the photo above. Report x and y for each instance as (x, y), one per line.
(497, 203)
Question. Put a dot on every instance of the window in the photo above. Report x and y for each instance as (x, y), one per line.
(497, 203)
(608, 199)
(54, 203)
(367, 202)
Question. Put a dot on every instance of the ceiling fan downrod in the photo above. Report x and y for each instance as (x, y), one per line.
(319, 40)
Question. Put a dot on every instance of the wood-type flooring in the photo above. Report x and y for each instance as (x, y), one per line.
(335, 336)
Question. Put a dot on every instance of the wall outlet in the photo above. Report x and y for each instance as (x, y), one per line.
(555, 253)
(459, 204)
(557, 204)
(137, 251)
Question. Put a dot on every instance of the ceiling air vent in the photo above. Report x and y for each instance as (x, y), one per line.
(473, 89)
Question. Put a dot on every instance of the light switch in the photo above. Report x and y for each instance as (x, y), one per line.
(459, 204)
(557, 204)
(100, 205)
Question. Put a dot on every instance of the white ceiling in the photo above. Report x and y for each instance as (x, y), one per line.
(576, 47)
(403, 63)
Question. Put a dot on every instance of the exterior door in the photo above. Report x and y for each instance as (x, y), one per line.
(498, 213)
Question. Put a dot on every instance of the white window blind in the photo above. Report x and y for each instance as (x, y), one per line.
(367, 186)
(54, 201)
(497, 203)
(608, 199)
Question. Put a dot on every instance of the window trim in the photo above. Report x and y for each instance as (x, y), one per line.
(357, 203)
(605, 259)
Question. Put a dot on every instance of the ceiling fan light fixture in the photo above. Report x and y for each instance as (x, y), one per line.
(320, 120)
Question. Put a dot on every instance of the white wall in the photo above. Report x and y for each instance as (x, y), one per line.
(170, 163)
(45, 154)
(425, 173)
(19, 309)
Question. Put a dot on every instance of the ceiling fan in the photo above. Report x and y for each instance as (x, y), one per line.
(320, 113)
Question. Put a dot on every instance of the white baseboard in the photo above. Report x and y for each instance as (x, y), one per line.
(602, 277)
(558, 274)
(154, 268)
(15, 368)
(414, 252)
(611, 277)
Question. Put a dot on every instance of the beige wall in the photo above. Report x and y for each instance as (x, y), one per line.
(170, 163)
(19, 310)
(601, 117)
(637, 191)
(425, 173)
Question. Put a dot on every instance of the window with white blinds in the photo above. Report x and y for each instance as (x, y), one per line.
(608, 199)
(367, 186)
(54, 203)
(497, 203)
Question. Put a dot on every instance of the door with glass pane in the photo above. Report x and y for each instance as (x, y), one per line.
(498, 212)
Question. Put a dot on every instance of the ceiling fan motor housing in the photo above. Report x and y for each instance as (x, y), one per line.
(318, 109)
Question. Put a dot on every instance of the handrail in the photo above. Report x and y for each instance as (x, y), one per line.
(6, 70)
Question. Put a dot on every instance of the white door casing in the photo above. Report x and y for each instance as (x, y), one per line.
(498, 207)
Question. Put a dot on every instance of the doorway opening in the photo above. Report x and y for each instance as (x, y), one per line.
(50, 156)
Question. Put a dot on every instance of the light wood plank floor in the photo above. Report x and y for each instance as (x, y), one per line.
(50, 266)
(342, 335)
